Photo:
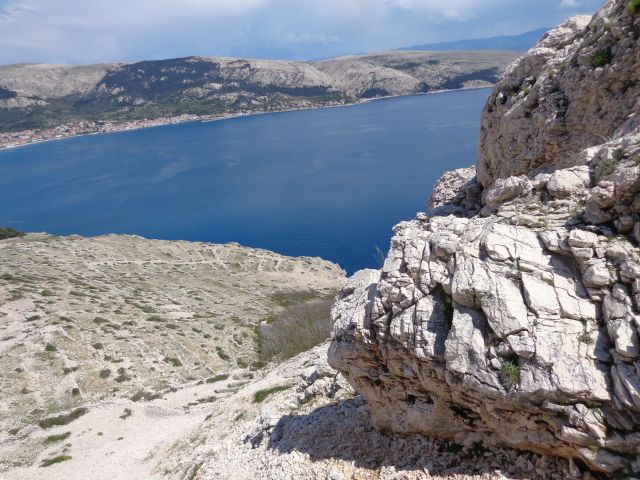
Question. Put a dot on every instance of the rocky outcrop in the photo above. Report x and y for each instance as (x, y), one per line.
(508, 314)
(576, 88)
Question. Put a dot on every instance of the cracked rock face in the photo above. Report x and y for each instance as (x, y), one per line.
(576, 87)
(509, 315)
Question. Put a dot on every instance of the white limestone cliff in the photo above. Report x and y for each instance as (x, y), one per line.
(508, 314)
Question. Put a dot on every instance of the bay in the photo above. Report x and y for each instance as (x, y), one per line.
(328, 182)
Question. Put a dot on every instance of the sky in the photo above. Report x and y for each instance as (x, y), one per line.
(91, 31)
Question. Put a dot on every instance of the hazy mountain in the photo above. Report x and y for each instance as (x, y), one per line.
(521, 42)
(37, 96)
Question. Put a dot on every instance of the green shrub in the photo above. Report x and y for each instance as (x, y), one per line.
(62, 419)
(57, 438)
(606, 167)
(50, 461)
(511, 371)
(218, 378)
(261, 395)
(297, 329)
(123, 376)
(287, 299)
(601, 58)
(222, 354)
(7, 232)
(585, 338)
(173, 361)
(144, 395)
(633, 7)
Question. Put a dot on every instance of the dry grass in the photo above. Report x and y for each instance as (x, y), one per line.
(297, 329)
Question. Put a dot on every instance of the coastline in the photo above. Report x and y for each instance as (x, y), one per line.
(85, 128)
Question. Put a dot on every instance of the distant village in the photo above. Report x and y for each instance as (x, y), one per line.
(14, 139)
(88, 127)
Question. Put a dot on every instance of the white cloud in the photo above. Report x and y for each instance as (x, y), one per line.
(569, 4)
(81, 31)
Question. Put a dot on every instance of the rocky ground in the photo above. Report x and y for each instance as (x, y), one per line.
(90, 320)
(130, 358)
(297, 420)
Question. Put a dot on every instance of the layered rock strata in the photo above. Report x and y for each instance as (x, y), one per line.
(508, 314)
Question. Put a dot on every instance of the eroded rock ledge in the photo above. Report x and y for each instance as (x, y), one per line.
(509, 315)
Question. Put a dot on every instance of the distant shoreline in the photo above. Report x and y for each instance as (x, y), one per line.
(85, 128)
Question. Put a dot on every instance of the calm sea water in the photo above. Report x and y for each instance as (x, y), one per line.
(328, 183)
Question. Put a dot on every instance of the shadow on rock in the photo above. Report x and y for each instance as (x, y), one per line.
(343, 430)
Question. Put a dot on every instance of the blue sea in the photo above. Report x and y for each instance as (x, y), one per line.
(329, 183)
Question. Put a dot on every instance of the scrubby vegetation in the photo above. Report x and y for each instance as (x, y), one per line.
(58, 459)
(511, 371)
(601, 58)
(62, 419)
(7, 232)
(261, 395)
(585, 338)
(173, 361)
(297, 329)
(57, 438)
(218, 378)
(633, 7)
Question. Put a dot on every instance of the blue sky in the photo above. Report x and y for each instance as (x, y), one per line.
(91, 31)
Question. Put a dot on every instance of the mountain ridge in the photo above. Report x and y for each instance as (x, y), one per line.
(37, 96)
(519, 42)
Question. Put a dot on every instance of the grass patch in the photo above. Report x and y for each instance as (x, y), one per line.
(287, 299)
(297, 329)
(57, 438)
(261, 395)
(62, 419)
(51, 461)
